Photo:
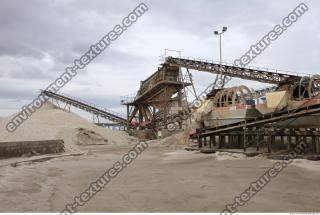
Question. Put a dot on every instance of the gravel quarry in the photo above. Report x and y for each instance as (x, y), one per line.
(164, 178)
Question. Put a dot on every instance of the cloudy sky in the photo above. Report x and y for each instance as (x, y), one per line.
(39, 38)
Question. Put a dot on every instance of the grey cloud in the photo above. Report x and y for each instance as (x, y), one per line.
(65, 29)
(17, 92)
(103, 100)
(30, 73)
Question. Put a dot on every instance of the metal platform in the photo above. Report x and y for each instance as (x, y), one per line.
(161, 92)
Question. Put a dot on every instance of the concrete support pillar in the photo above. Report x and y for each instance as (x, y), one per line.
(289, 141)
(199, 141)
(269, 141)
(317, 142)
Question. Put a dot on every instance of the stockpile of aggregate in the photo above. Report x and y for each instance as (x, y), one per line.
(50, 122)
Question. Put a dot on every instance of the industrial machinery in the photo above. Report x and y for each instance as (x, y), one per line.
(234, 117)
(160, 94)
(272, 120)
(118, 119)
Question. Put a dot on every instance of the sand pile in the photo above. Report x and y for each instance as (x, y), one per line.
(51, 122)
(229, 156)
(175, 141)
(306, 164)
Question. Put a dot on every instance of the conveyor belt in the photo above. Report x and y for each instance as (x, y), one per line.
(107, 114)
(262, 120)
(248, 73)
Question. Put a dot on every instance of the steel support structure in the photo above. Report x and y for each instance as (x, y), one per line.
(251, 73)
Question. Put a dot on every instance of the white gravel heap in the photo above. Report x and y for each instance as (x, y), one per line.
(50, 122)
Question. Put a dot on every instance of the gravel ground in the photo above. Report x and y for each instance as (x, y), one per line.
(160, 180)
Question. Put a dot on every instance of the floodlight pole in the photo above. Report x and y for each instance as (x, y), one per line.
(224, 29)
(220, 50)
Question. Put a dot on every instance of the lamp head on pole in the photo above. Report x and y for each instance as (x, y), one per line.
(224, 29)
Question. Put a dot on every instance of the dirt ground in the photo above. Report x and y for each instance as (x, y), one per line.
(160, 180)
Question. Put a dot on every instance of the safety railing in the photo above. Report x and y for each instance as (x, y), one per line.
(128, 98)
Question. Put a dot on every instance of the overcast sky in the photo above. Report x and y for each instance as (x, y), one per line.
(39, 38)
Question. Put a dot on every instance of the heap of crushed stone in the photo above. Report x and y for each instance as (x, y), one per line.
(50, 122)
(177, 140)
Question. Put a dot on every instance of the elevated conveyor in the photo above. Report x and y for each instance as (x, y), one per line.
(249, 73)
(91, 108)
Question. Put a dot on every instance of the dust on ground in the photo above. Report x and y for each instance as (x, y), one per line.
(160, 180)
(164, 178)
